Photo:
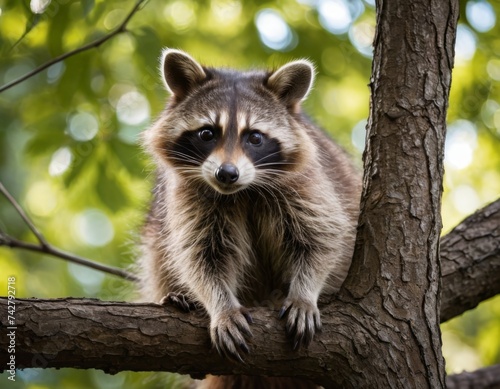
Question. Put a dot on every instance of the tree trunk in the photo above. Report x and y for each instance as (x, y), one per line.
(393, 286)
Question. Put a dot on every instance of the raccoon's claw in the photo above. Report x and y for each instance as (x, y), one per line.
(302, 322)
(179, 300)
(228, 331)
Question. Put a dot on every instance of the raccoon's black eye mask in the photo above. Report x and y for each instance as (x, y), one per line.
(262, 150)
(193, 147)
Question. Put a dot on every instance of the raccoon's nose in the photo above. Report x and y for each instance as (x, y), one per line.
(227, 173)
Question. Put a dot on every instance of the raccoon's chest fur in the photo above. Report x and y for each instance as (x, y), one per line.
(254, 234)
(251, 225)
(266, 282)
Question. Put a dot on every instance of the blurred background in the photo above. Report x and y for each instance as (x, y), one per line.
(68, 136)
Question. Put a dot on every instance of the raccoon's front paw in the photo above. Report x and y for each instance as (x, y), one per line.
(180, 301)
(228, 330)
(302, 322)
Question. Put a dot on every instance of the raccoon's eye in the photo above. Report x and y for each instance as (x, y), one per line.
(255, 138)
(206, 134)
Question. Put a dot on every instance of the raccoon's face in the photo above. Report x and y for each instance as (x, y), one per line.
(229, 129)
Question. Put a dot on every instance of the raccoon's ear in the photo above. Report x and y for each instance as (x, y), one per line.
(181, 73)
(292, 82)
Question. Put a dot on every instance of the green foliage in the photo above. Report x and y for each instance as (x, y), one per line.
(69, 148)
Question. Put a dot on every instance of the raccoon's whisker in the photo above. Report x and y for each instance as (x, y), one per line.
(269, 177)
(198, 152)
(188, 171)
(266, 156)
(181, 156)
(282, 163)
(185, 161)
(278, 172)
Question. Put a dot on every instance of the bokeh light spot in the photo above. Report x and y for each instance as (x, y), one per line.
(41, 199)
(273, 30)
(358, 135)
(480, 15)
(488, 112)
(132, 108)
(39, 6)
(94, 228)
(361, 36)
(129, 134)
(114, 18)
(465, 199)
(465, 45)
(334, 15)
(60, 161)
(83, 126)
(90, 279)
(55, 71)
(461, 142)
(180, 14)
(493, 68)
(226, 11)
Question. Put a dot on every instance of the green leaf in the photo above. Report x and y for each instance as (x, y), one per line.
(74, 80)
(87, 6)
(32, 21)
(109, 189)
(149, 47)
(57, 30)
(45, 142)
(97, 13)
(84, 161)
(129, 156)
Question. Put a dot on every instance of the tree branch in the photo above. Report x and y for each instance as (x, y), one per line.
(113, 337)
(46, 248)
(487, 378)
(20, 211)
(470, 262)
(84, 333)
(6, 240)
(121, 28)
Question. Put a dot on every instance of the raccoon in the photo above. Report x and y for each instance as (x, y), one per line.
(252, 202)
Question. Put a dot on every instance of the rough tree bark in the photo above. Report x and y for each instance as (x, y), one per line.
(392, 292)
(488, 378)
(382, 330)
(470, 262)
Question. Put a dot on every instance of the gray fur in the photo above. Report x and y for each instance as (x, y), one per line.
(281, 235)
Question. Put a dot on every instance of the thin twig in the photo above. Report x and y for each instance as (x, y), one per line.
(6, 240)
(121, 28)
(20, 211)
(46, 248)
